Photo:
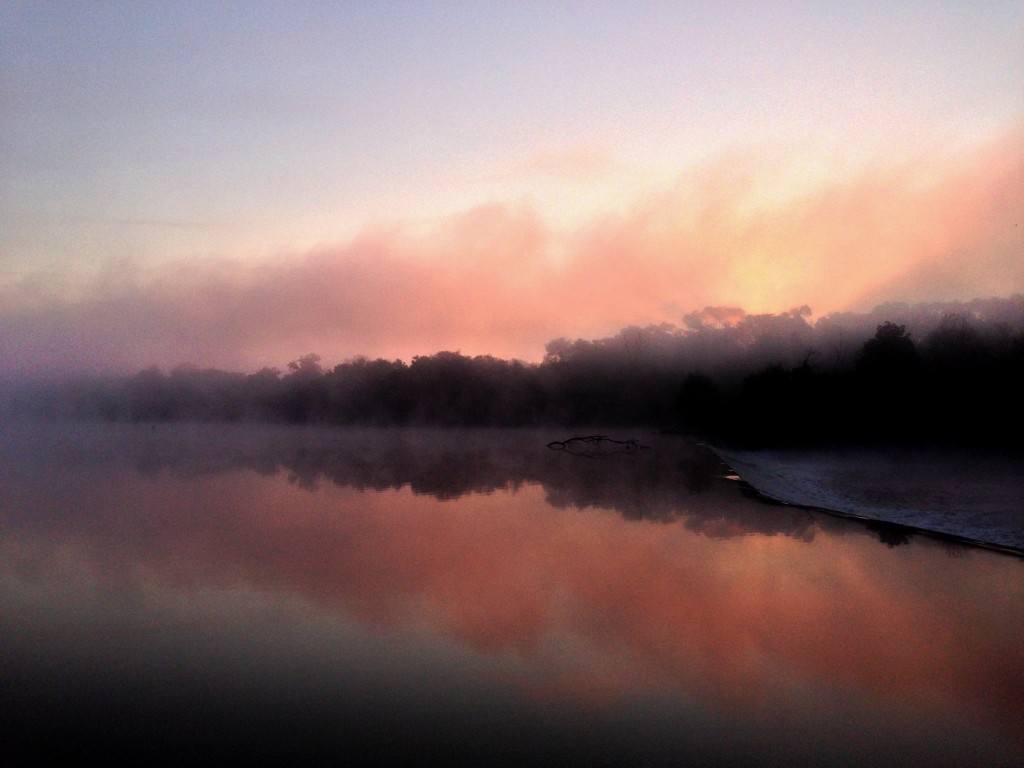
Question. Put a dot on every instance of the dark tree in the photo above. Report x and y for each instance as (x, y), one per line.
(890, 351)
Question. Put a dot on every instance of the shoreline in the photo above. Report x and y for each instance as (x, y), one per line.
(975, 508)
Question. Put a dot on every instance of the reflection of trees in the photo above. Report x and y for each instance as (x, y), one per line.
(890, 534)
(714, 621)
(674, 479)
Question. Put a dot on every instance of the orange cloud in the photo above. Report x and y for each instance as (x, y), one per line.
(499, 279)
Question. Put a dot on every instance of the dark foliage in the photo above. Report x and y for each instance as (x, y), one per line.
(751, 380)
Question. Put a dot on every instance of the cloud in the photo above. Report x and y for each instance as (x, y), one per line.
(500, 279)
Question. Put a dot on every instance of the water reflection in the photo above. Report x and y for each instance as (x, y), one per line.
(672, 479)
(473, 597)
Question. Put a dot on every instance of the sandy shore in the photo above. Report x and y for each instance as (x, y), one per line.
(979, 498)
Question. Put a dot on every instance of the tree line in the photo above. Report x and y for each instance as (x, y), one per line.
(749, 380)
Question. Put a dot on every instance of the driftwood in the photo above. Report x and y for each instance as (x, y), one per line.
(595, 446)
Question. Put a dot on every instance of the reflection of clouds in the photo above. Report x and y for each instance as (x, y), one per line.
(596, 605)
(673, 480)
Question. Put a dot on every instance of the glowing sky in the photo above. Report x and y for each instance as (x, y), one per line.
(240, 183)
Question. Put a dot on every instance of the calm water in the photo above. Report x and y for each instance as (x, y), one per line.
(194, 595)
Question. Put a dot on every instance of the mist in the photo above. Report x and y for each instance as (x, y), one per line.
(501, 279)
(935, 373)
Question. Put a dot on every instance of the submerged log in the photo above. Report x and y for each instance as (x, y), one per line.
(593, 446)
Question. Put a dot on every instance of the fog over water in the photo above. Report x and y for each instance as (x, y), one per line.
(301, 308)
(180, 592)
(923, 375)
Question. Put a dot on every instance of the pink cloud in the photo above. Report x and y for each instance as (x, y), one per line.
(499, 279)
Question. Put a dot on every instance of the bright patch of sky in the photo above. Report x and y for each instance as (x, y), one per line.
(139, 134)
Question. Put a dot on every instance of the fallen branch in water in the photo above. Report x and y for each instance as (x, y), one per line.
(594, 446)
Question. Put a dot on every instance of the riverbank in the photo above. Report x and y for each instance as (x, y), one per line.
(973, 497)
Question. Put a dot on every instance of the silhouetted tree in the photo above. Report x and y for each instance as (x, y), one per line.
(701, 403)
(890, 352)
(739, 377)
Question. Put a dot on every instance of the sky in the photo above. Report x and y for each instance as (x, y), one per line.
(239, 184)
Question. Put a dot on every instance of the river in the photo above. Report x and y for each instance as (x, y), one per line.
(208, 594)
